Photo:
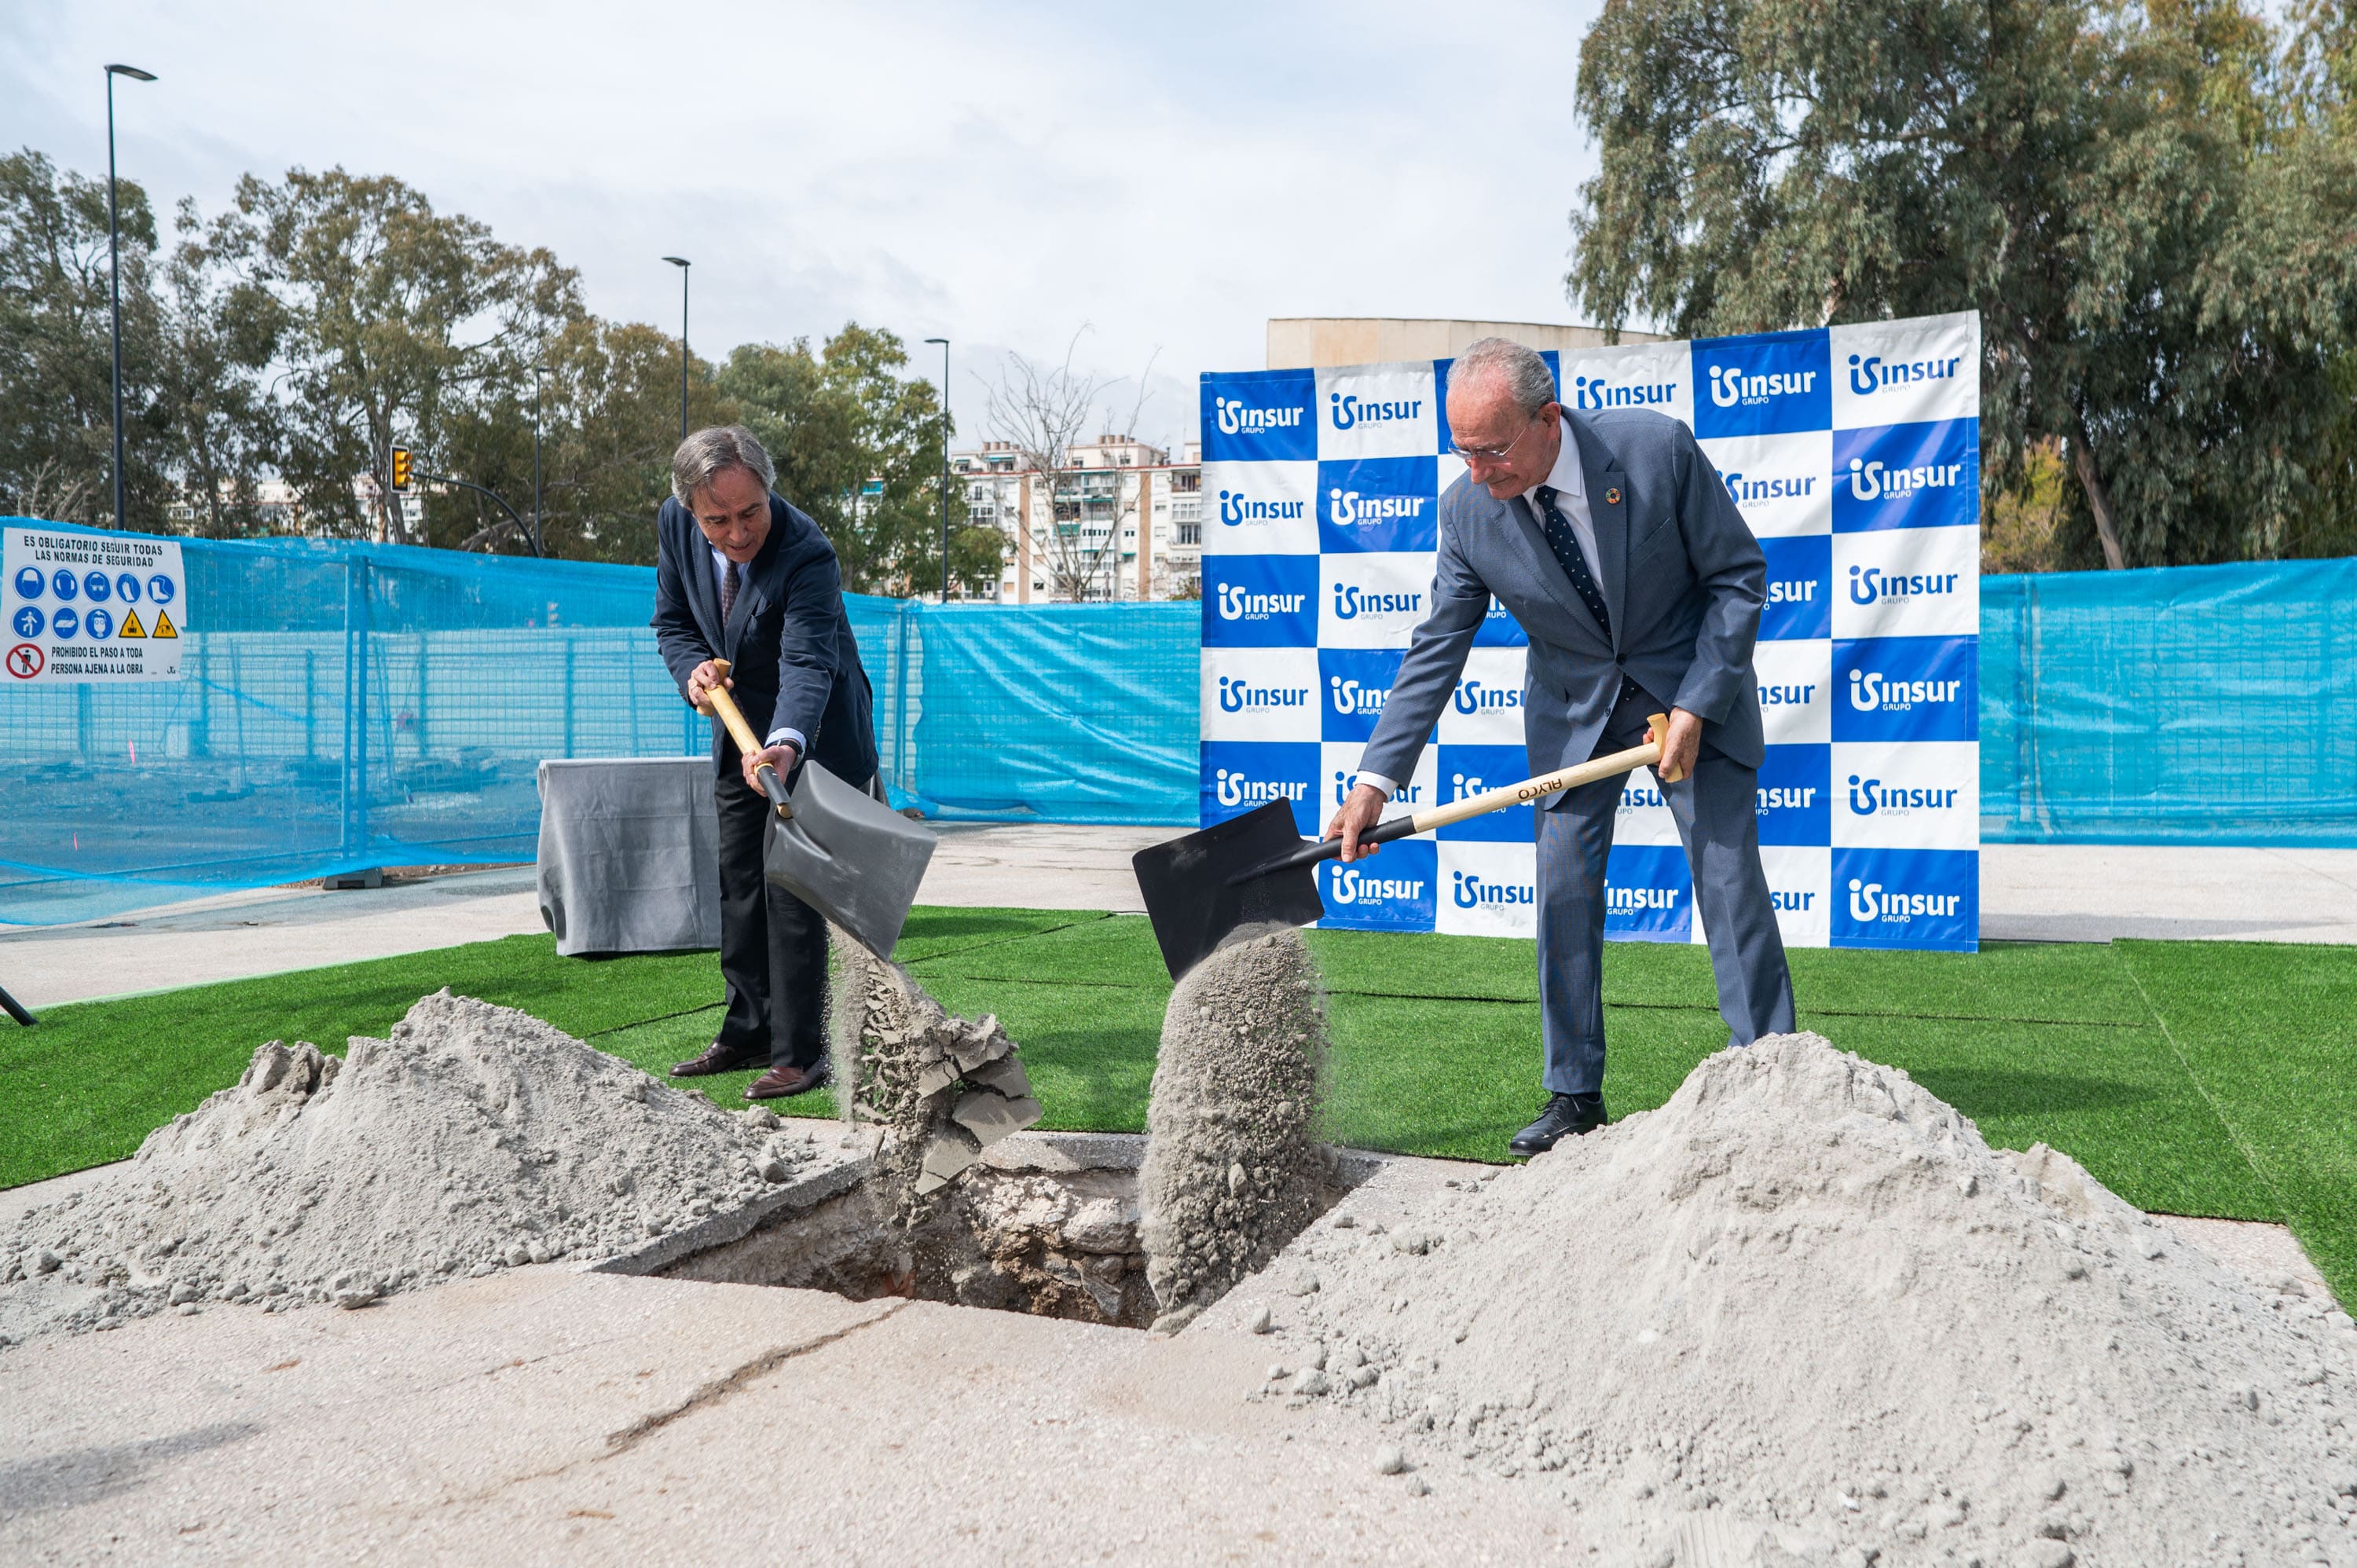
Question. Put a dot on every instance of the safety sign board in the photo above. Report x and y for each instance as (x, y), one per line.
(89, 607)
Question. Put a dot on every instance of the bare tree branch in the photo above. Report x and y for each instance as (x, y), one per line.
(1043, 413)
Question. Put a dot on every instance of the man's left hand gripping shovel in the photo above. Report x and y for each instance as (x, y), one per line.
(838, 849)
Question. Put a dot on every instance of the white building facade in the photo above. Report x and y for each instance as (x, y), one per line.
(1121, 522)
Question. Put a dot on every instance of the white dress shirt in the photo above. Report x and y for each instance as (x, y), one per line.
(1571, 499)
(783, 734)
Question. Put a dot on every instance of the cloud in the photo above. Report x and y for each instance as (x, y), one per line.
(1000, 175)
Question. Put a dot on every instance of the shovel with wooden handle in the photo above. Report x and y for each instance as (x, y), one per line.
(1257, 867)
(838, 849)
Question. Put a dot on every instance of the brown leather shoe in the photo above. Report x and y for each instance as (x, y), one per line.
(780, 1082)
(717, 1057)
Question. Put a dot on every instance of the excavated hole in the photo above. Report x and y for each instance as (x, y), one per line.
(1045, 1224)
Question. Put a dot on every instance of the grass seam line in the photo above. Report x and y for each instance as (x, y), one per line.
(2233, 1133)
(1534, 1002)
(657, 1018)
(1095, 915)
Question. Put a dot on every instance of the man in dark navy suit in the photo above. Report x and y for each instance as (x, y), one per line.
(741, 576)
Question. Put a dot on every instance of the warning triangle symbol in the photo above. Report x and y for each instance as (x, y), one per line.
(130, 627)
(163, 626)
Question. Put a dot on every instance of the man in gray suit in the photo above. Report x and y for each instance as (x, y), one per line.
(1613, 541)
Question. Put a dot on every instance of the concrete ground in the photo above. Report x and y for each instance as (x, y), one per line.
(2028, 892)
(558, 1415)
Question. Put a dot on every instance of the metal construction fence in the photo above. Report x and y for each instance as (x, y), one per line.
(2188, 704)
(343, 706)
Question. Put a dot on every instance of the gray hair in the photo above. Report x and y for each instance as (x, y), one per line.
(1525, 375)
(702, 456)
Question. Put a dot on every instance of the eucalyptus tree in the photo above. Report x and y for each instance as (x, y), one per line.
(2162, 247)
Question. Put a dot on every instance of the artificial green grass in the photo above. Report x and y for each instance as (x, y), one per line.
(2208, 1079)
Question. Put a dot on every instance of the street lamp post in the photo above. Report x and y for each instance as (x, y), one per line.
(682, 264)
(946, 466)
(539, 383)
(114, 270)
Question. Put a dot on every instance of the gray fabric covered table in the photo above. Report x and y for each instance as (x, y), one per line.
(629, 855)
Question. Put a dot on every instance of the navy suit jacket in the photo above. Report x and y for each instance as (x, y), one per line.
(1682, 576)
(788, 645)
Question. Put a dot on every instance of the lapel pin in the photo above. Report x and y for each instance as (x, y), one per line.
(1612, 498)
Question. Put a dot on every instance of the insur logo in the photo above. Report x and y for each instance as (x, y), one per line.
(1867, 901)
(1867, 796)
(1349, 507)
(1472, 697)
(1236, 508)
(1595, 392)
(1729, 386)
(1872, 374)
(1237, 605)
(1348, 412)
(1237, 417)
(1236, 789)
(1352, 885)
(1238, 695)
(1868, 584)
(1870, 689)
(1873, 481)
(1350, 697)
(1350, 603)
(1470, 892)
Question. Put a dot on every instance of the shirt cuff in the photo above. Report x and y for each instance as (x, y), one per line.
(781, 735)
(1389, 786)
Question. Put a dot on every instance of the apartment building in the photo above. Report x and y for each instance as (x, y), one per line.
(1121, 522)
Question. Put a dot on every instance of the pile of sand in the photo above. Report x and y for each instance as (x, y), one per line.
(1804, 1313)
(1233, 1167)
(473, 1138)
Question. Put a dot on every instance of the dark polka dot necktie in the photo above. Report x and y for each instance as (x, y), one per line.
(1566, 545)
(730, 580)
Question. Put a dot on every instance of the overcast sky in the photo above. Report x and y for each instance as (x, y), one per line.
(1003, 175)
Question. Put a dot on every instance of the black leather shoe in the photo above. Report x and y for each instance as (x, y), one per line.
(1566, 1116)
(717, 1057)
(783, 1080)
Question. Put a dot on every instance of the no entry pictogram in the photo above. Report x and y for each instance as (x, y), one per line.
(25, 661)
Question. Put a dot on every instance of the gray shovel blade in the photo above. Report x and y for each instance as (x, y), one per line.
(850, 856)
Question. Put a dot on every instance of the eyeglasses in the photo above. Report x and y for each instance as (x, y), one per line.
(1495, 453)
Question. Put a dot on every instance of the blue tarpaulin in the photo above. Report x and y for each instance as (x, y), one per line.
(349, 706)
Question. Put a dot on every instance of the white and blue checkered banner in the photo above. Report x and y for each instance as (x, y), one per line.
(1853, 452)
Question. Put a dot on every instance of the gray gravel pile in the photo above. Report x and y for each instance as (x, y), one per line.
(1803, 1313)
(474, 1138)
(1234, 1167)
(942, 1088)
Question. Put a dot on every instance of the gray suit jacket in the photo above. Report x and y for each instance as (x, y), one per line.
(1680, 574)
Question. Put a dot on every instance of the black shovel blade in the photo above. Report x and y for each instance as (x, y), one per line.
(1193, 898)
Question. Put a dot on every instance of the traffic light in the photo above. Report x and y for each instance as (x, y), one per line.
(401, 469)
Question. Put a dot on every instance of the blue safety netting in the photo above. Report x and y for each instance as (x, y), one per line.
(349, 706)
(2189, 704)
(346, 705)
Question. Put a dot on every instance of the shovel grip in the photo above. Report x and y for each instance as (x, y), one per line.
(719, 701)
(1316, 850)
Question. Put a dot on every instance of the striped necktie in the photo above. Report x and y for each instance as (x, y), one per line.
(730, 580)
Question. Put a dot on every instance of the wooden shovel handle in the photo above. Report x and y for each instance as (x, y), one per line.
(718, 700)
(1529, 790)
